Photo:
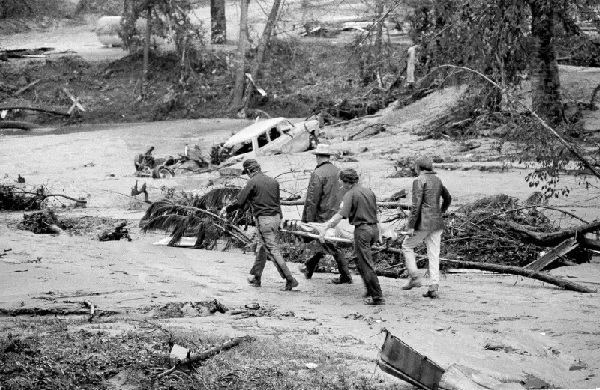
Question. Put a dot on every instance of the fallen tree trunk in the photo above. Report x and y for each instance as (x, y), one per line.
(507, 269)
(589, 243)
(551, 238)
(52, 311)
(567, 285)
(18, 125)
(198, 357)
(2, 108)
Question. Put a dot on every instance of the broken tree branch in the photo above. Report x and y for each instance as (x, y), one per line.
(544, 277)
(198, 357)
(550, 238)
(2, 108)
(25, 88)
(547, 127)
(589, 243)
(44, 196)
(243, 236)
(18, 125)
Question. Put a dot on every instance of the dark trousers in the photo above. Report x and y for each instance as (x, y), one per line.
(328, 248)
(364, 237)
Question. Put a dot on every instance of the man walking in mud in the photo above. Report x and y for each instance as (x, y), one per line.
(323, 198)
(262, 194)
(425, 223)
(359, 205)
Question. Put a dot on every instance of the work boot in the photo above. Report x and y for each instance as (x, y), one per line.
(432, 292)
(311, 264)
(370, 301)
(341, 281)
(414, 281)
(290, 284)
(307, 274)
(254, 281)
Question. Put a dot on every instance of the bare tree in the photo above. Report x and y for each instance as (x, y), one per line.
(238, 89)
(218, 30)
(262, 47)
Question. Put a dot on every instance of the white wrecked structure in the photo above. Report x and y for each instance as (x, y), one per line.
(269, 137)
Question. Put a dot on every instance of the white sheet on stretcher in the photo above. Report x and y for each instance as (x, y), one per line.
(345, 230)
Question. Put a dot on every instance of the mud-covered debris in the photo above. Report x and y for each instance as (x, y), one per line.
(40, 222)
(120, 232)
(185, 309)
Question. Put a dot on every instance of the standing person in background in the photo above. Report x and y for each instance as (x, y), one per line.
(323, 198)
(359, 205)
(262, 193)
(425, 223)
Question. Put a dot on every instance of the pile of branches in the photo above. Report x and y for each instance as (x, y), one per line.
(40, 222)
(473, 235)
(199, 216)
(478, 232)
(13, 198)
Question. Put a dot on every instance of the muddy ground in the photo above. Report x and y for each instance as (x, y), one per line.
(546, 331)
(513, 329)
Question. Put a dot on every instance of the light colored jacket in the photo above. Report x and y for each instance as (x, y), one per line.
(426, 212)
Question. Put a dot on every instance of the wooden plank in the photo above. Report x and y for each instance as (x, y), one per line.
(558, 251)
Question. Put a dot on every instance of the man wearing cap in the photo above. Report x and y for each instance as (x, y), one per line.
(262, 193)
(323, 198)
(425, 223)
(359, 205)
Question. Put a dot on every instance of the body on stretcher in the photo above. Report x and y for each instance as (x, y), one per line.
(343, 230)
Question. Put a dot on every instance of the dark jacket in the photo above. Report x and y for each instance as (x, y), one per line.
(324, 194)
(359, 206)
(426, 213)
(262, 193)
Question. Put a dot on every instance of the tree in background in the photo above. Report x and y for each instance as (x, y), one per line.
(218, 22)
(502, 39)
(507, 41)
(242, 91)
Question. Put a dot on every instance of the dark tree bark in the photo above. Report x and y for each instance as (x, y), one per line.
(262, 47)
(550, 238)
(379, 32)
(218, 30)
(147, 49)
(17, 125)
(545, 81)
